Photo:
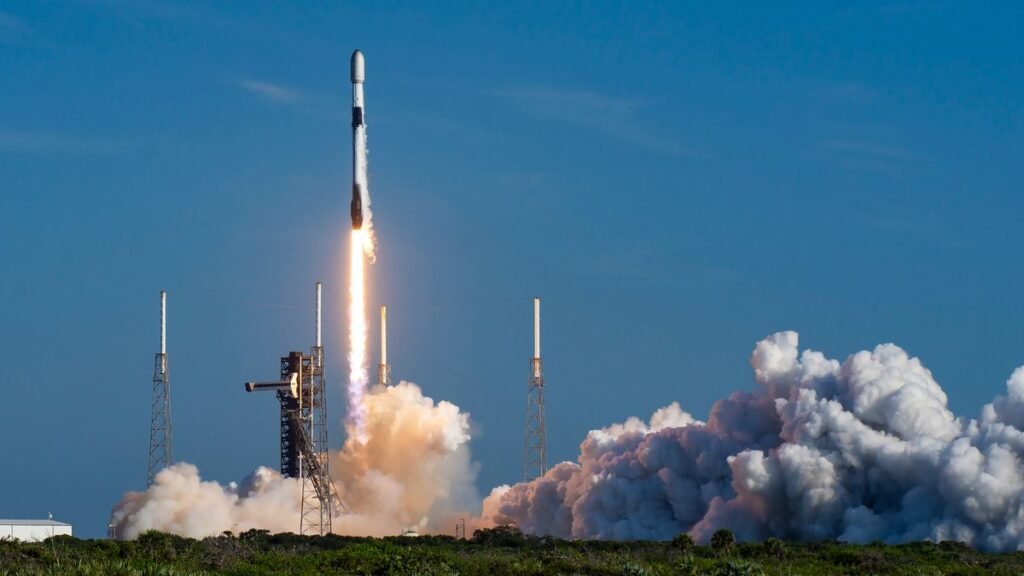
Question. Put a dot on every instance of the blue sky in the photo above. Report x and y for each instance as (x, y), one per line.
(676, 181)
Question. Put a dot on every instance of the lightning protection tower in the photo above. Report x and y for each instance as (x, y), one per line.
(160, 455)
(384, 369)
(316, 492)
(535, 453)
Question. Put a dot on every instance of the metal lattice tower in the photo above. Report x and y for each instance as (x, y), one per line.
(317, 505)
(384, 369)
(535, 453)
(293, 373)
(304, 454)
(160, 453)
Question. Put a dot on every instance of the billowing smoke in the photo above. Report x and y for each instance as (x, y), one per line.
(862, 450)
(413, 470)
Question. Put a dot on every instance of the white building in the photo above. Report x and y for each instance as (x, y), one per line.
(32, 530)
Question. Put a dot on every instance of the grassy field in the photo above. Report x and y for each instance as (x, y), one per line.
(490, 553)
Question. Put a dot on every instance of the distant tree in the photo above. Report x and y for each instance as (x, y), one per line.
(160, 544)
(507, 535)
(255, 534)
(683, 542)
(774, 547)
(954, 546)
(723, 540)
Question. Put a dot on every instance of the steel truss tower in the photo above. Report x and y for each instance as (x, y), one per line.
(160, 453)
(317, 496)
(304, 453)
(535, 453)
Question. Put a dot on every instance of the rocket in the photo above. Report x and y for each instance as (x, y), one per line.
(358, 140)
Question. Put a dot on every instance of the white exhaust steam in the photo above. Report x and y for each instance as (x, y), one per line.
(859, 451)
(413, 469)
(862, 450)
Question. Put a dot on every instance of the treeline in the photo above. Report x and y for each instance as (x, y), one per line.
(493, 552)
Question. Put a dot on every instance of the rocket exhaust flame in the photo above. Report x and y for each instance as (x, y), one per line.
(358, 376)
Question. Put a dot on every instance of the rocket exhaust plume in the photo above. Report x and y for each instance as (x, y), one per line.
(412, 469)
(358, 375)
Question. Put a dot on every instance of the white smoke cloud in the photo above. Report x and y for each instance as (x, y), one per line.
(862, 450)
(180, 502)
(413, 470)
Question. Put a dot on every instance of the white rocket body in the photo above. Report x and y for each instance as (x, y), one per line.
(360, 198)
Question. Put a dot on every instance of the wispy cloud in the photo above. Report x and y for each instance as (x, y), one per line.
(271, 92)
(872, 153)
(579, 104)
(892, 9)
(867, 149)
(12, 28)
(616, 116)
(36, 143)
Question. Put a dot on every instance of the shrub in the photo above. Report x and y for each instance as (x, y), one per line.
(775, 548)
(507, 535)
(634, 569)
(686, 566)
(683, 542)
(739, 568)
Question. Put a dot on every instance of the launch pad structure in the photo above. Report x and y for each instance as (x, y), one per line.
(160, 437)
(535, 452)
(303, 421)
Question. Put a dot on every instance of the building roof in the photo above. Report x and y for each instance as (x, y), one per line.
(5, 522)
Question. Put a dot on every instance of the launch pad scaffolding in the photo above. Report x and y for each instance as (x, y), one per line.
(535, 453)
(304, 450)
(160, 438)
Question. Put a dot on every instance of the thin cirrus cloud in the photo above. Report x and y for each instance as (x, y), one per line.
(12, 28)
(272, 92)
(867, 149)
(39, 143)
(612, 115)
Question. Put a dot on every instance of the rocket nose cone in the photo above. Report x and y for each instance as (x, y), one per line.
(358, 67)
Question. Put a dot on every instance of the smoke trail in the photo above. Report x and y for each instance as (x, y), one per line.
(357, 337)
(414, 469)
(862, 450)
(369, 242)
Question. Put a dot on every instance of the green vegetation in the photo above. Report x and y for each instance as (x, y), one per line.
(497, 552)
(723, 541)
